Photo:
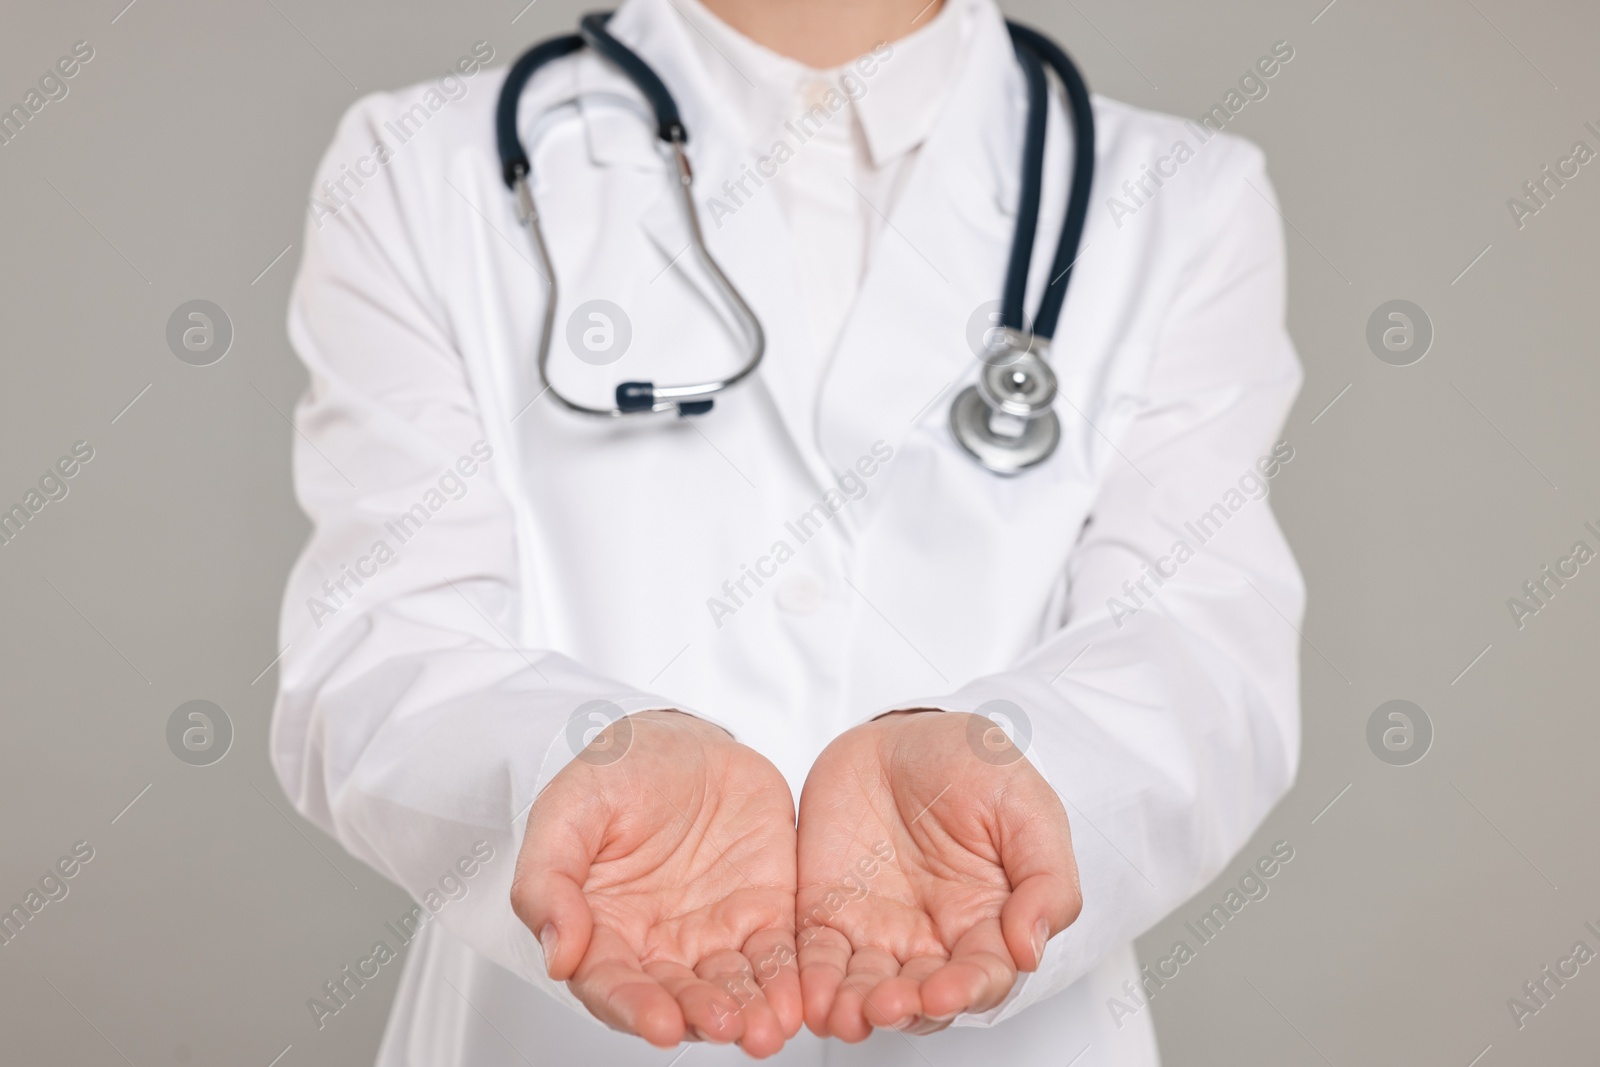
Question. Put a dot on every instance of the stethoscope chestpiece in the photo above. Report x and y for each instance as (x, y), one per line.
(1007, 421)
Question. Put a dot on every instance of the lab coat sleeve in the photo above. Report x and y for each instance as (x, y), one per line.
(416, 718)
(1165, 712)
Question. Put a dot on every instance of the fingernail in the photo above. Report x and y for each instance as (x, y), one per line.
(548, 942)
(1041, 934)
(902, 1023)
(696, 1034)
(943, 1018)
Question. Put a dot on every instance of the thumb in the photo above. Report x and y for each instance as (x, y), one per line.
(547, 891)
(1045, 896)
(1039, 908)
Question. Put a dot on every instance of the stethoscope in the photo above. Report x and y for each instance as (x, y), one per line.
(1006, 420)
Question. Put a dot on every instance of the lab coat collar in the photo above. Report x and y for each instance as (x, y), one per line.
(904, 99)
(896, 91)
(755, 87)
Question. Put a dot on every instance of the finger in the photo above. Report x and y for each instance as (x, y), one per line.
(763, 1035)
(547, 892)
(707, 1009)
(915, 971)
(775, 963)
(869, 997)
(617, 991)
(979, 975)
(732, 973)
(1040, 906)
(896, 1002)
(824, 959)
(922, 1026)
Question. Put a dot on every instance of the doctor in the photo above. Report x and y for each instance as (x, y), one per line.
(561, 677)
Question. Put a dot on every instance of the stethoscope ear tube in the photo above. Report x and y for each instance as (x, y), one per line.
(634, 397)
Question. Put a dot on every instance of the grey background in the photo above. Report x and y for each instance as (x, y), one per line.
(177, 168)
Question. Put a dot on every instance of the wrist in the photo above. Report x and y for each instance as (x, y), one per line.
(675, 718)
(903, 712)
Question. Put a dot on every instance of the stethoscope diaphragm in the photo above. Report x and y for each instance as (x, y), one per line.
(1007, 420)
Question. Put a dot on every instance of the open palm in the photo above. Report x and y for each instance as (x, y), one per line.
(661, 884)
(934, 862)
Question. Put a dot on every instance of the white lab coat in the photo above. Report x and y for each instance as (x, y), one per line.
(429, 688)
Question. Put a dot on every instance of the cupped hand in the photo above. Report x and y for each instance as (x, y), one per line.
(934, 864)
(660, 883)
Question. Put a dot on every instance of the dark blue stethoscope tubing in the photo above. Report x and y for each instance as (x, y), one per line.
(513, 160)
(669, 127)
(1031, 48)
(1023, 237)
(1077, 213)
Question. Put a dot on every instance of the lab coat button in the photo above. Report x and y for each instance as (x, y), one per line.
(800, 594)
